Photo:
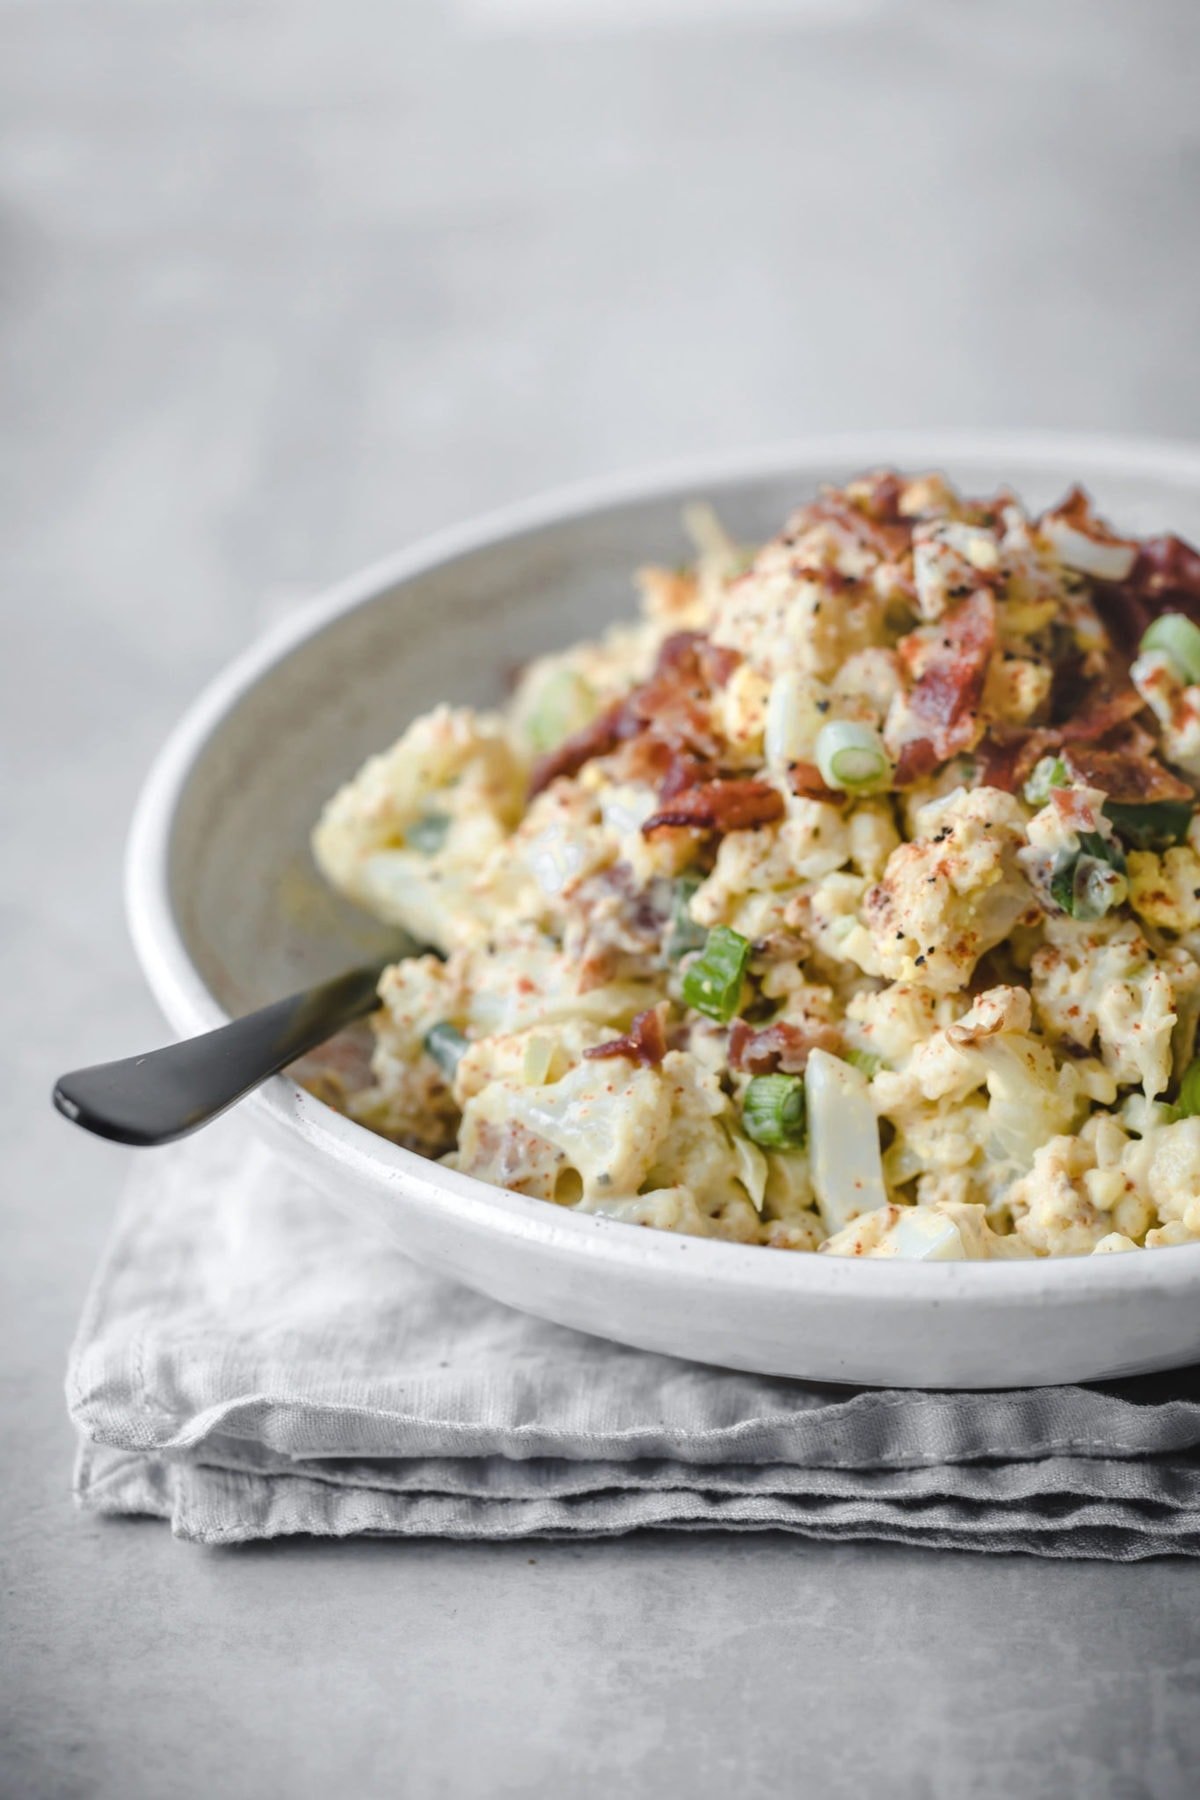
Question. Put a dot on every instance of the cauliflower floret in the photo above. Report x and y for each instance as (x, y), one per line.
(949, 558)
(943, 1125)
(1165, 890)
(1175, 705)
(535, 873)
(1082, 1189)
(948, 1063)
(946, 1231)
(410, 1099)
(1115, 1242)
(758, 873)
(405, 837)
(1016, 686)
(528, 981)
(812, 598)
(1164, 1237)
(1050, 1207)
(610, 1135)
(1103, 983)
(953, 893)
(1164, 1167)
(891, 1022)
(829, 916)
(595, 1131)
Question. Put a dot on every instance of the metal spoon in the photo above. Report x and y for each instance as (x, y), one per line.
(167, 1093)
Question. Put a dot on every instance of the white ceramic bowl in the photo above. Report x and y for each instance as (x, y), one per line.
(227, 912)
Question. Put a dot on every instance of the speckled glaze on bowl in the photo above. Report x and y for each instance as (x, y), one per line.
(227, 912)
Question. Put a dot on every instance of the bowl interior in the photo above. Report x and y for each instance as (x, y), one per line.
(253, 915)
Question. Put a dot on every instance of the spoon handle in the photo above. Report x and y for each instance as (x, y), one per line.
(167, 1093)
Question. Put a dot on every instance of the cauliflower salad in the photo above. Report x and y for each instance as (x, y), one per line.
(848, 902)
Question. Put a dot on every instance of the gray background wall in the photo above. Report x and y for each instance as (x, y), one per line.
(282, 286)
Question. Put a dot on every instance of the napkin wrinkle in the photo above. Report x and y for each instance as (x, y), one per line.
(252, 1364)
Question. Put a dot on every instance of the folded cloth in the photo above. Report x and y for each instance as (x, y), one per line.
(251, 1363)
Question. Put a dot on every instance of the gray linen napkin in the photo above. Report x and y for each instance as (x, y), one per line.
(251, 1363)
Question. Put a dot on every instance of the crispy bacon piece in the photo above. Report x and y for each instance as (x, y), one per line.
(1008, 754)
(876, 524)
(999, 761)
(672, 707)
(784, 1046)
(804, 778)
(1128, 776)
(883, 501)
(1100, 716)
(740, 804)
(1167, 575)
(644, 1042)
(945, 699)
(917, 759)
(718, 661)
(684, 772)
(674, 704)
(597, 739)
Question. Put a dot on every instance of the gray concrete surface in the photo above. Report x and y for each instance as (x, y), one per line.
(281, 286)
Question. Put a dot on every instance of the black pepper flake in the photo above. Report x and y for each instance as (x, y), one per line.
(919, 961)
(823, 706)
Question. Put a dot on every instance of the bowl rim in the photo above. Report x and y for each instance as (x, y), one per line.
(329, 1138)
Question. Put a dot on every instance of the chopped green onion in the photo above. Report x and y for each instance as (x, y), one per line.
(713, 982)
(1188, 1103)
(683, 934)
(773, 1111)
(1089, 882)
(865, 1061)
(565, 703)
(445, 1044)
(1150, 825)
(1179, 641)
(428, 834)
(851, 756)
(1051, 772)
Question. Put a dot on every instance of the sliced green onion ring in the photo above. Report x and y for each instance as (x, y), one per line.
(851, 756)
(712, 984)
(1179, 640)
(1088, 882)
(445, 1043)
(865, 1061)
(1150, 824)
(1050, 773)
(773, 1111)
